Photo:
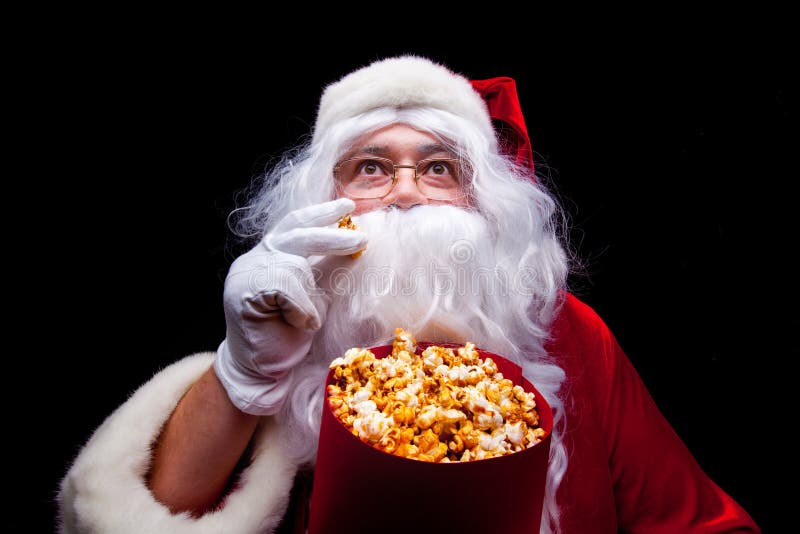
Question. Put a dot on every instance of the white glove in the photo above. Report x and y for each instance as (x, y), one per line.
(273, 306)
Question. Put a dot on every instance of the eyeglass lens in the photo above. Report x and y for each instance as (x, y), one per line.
(437, 179)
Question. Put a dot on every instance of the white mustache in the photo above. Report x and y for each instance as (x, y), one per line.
(431, 269)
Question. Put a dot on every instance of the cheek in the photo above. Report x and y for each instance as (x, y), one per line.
(362, 205)
(462, 202)
(366, 205)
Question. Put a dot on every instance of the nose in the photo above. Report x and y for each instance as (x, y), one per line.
(405, 193)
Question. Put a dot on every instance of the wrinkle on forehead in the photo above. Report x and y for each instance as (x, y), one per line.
(422, 150)
(399, 141)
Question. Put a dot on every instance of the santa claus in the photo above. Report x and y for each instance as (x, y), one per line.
(459, 242)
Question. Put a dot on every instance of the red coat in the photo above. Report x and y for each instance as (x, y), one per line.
(628, 471)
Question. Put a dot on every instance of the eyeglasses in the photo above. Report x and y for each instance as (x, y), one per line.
(370, 177)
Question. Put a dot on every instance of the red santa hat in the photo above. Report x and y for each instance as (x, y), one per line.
(492, 105)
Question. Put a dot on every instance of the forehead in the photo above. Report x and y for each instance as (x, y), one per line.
(398, 134)
(398, 138)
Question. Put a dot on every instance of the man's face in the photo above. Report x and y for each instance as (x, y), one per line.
(402, 145)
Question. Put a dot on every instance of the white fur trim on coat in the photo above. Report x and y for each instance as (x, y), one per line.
(104, 491)
(401, 82)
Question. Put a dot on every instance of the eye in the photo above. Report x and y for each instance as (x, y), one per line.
(370, 167)
(439, 168)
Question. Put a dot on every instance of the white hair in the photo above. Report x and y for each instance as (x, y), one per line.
(513, 227)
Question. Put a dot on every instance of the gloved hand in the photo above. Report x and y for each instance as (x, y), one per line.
(273, 306)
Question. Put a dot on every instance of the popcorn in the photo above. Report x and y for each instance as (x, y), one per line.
(347, 223)
(443, 405)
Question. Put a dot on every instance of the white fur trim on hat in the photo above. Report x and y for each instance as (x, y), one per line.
(401, 82)
(105, 489)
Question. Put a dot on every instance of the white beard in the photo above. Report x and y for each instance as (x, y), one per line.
(431, 270)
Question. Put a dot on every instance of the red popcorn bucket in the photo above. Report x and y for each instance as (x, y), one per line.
(360, 489)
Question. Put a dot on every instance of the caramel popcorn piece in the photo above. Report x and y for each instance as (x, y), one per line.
(347, 222)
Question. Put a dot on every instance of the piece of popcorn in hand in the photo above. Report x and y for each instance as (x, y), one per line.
(347, 223)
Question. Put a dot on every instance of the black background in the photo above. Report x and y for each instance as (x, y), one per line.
(671, 149)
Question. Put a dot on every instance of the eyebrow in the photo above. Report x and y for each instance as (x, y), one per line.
(432, 148)
(425, 149)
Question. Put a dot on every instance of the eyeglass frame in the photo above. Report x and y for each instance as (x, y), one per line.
(396, 166)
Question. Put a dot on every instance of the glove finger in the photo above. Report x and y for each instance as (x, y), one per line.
(316, 215)
(307, 242)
